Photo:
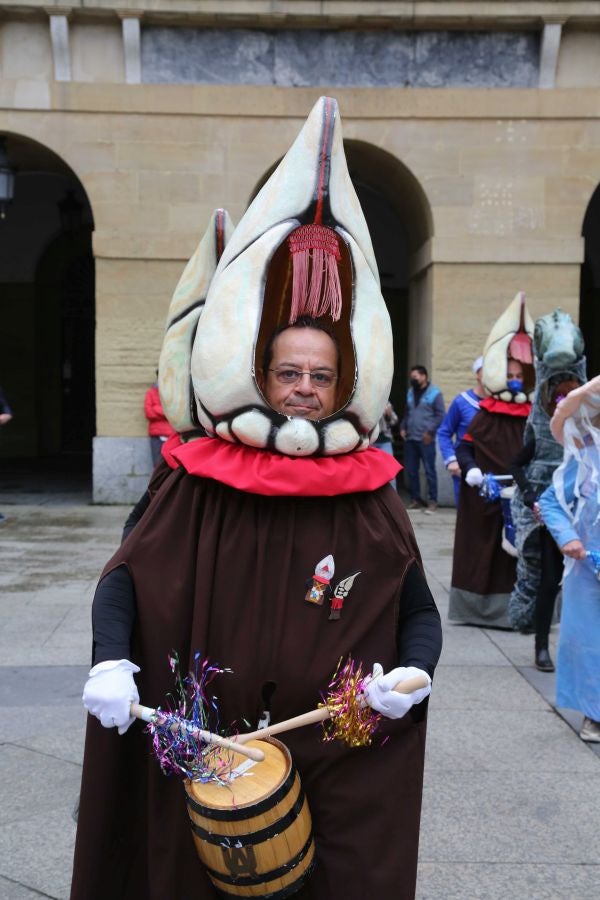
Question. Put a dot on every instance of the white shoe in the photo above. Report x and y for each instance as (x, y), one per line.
(590, 731)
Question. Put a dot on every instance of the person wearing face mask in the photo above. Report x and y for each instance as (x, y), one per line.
(550, 562)
(560, 367)
(422, 417)
(483, 574)
(455, 424)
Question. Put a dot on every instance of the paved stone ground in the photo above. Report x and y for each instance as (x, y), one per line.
(512, 796)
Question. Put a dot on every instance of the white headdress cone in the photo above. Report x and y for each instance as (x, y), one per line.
(495, 351)
(187, 304)
(230, 404)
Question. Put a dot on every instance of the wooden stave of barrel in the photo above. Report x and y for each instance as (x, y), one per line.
(262, 848)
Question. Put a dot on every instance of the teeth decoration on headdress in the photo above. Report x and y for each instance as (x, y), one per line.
(511, 336)
(174, 368)
(305, 225)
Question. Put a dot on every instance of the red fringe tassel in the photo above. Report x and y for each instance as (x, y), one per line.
(520, 348)
(316, 288)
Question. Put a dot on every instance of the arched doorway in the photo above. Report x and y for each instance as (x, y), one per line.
(47, 297)
(589, 294)
(401, 226)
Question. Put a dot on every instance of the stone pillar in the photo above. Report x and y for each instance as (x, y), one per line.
(549, 53)
(122, 467)
(132, 49)
(59, 36)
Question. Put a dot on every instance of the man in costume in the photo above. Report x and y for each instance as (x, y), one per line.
(422, 417)
(559, 368)
(291, 368)
(570, 509)
(483, 574)
(455, 423)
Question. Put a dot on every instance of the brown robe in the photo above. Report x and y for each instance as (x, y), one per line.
(483, 574)
(224, 572)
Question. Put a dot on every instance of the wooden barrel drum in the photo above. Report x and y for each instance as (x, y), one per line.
(254, 835)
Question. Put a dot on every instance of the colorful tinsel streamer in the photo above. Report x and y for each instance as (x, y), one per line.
(178, 747)
(489, 489)
(351, 719)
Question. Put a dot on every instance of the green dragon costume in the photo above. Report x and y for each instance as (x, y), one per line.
(558, 356)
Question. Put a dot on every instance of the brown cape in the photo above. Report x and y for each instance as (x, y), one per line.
(483, 574)
(224, 572)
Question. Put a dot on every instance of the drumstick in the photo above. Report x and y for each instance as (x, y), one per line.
(147, 714)
(319, 715)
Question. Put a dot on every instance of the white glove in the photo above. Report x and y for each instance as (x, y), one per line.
(109, 692)
(383, 699)
(474, 477)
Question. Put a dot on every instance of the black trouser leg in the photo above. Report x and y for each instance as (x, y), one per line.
(551, 562)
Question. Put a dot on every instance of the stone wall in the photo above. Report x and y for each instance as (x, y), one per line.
(503, 179)
(340, 58)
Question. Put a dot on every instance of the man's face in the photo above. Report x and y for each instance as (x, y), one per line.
(306, 350)
(418, 376)
(514, 370)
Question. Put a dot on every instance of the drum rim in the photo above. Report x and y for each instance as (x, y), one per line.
(228, 813)
(285, 892)
(231, 814)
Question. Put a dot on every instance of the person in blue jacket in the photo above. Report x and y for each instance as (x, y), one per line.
(422, 418)
(456, 422)
(570, 510)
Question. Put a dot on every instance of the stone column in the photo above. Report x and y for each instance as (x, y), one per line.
(132, 48)
(59, 36)
(549, 53)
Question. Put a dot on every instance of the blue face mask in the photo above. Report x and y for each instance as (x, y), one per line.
(515, 385)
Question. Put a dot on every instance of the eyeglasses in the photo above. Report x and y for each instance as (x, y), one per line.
(292, 376)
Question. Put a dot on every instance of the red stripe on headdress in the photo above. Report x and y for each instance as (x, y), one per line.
(220, 233)
(323, 161)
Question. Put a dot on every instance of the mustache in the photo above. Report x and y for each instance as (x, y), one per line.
(297, 400)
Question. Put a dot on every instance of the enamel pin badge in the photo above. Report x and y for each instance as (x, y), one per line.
(339, 595)
(318, 585)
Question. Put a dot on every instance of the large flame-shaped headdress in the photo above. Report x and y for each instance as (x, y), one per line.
(302, 248)
(510, 338)
(174, 368)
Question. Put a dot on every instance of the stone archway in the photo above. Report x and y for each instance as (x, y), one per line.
(47, 297)
(401, 226)
(589, 294)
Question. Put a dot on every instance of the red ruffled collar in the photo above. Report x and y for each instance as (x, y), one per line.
(275, 475)
(501, 406)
